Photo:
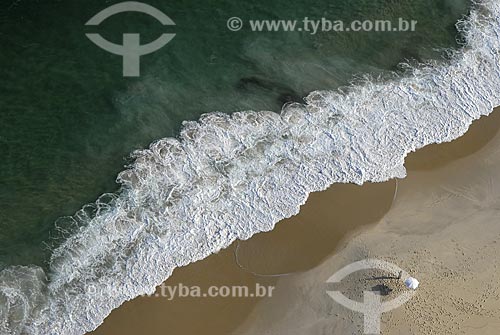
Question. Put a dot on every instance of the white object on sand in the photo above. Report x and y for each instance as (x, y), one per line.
(412, 283)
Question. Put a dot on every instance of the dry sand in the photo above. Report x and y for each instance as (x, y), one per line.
(443, 227)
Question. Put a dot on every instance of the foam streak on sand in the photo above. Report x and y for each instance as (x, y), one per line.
(229, 177)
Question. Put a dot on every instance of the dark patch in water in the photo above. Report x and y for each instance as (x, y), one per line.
(289, 97)
(285, 94)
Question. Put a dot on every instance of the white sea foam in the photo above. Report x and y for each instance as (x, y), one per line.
(229, 177)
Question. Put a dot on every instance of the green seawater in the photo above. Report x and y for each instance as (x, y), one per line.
(69, 119)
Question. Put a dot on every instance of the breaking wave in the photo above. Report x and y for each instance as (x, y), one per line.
(228, 177)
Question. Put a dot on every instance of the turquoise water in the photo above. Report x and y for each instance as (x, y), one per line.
(69, 120)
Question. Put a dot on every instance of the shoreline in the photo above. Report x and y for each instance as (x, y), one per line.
(442, 229)
(220, 315)
(156, 315)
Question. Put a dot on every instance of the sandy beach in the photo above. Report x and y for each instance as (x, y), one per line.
(440, 224)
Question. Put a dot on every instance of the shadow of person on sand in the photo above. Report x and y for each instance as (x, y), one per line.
(382, 289)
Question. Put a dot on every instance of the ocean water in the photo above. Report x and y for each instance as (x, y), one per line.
(69, 120)
(225, 176)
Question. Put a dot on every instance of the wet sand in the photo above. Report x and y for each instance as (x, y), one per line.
(305, 246)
